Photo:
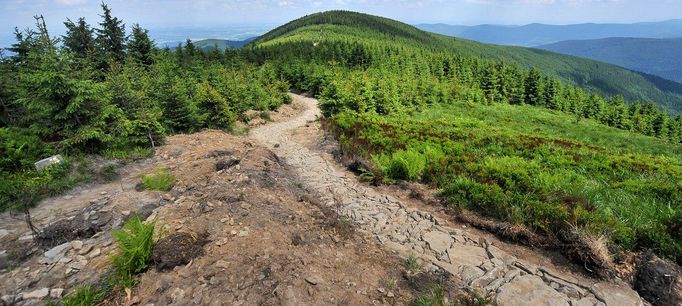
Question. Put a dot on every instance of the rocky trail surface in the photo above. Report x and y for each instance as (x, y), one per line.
(260, 219)
(411, 232)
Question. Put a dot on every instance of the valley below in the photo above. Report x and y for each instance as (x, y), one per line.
(273, 218)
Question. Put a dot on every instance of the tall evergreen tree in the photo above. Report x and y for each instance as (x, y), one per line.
(63, 107)
(140, 46)
(490, 84)
(661, 124)
(111, 36)
(24, 44)
(79, 37)
(533, 90)
(190, 52)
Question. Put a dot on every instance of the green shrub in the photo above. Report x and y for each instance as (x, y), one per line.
(134, 243)
(19, 149)
(161, 180)
(83, 296)
(29, 187)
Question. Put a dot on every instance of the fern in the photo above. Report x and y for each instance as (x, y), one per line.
(135, 241)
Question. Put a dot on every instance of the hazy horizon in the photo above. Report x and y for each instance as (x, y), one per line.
(159, 13)
(221, 19)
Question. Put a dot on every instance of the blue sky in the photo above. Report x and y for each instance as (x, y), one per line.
(163, 13)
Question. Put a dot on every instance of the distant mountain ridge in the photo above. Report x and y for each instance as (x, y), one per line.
(537, 34)
(660, 57)
(221, 44)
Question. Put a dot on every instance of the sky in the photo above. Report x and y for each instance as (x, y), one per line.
(205, 13)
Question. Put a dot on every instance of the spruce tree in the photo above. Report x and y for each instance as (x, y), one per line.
(215, 111)
(490, 85)
(64, 108)
(661, 124)
(140, 46)
(25, 42)
(532, 89)
(79, 37)
(111, 36)
(178, 114)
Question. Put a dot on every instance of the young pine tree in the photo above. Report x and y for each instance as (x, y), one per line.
(179, 115)
(111, 36)
(79, 38)
(533, 88)
(25, 42)
(64, 107)
(140, 46)
(214, 110)
(128, 90)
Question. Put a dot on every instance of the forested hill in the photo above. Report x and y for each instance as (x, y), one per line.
(381, 32)
(536, 34)
(655, 56)
(221, 44)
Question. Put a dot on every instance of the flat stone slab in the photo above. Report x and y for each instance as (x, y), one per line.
(616, 296)
(55, 254)
(529, 290)
(461, 254)
(438, 241)
(37, 294)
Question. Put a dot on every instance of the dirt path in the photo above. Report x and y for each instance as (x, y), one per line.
(412, 232)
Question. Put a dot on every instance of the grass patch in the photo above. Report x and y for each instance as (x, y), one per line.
(30, 186)
(109, 172)
(412, 263)
(388, 283)
(435, 297)
(241, 130)
(128, 154)
(84, 296)
(161, 180)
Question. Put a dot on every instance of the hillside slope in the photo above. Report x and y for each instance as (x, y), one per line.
(540, 34)
(660, 57)
(495, 138)
(221, 44)
(351, 27)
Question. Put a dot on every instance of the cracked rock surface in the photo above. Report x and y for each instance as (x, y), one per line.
(485, 268)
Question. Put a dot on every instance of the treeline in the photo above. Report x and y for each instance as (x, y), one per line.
(386, 75)
(102, 91)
